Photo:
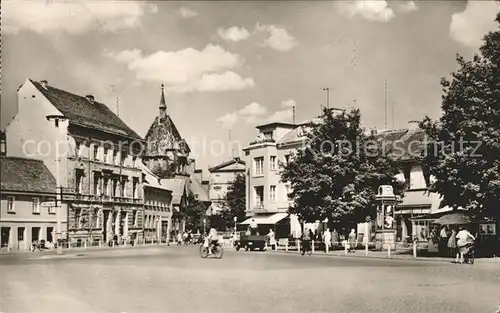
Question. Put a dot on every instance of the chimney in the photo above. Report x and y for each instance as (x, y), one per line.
(3, 144)
(44, 83)
(206, 186)
(198, 174)
(90, 98)
(374, 132)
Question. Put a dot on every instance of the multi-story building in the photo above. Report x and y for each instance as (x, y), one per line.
(27, 211)
(266, 195)
(157, 207)
(92, 153)
(417, 201)
(221, 178)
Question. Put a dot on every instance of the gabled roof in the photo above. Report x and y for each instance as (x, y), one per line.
(234, 165)
(276, 124)
(80, 111)
(163, 135)
(25, 175)
(197, 189)
(403, 144)
(151, 180)
(178, 186)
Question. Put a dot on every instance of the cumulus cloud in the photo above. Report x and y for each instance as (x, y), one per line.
(470, 26)
(290, 103)
(229, 119)
(73, 17)
(279, 39)
(251, 113)
(187, 12)
(281, 116)
(375, 10)
(210, 69)
(408, 6)
(233, 33)
(228, 80)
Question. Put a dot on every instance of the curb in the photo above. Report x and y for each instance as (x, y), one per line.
(392, 258)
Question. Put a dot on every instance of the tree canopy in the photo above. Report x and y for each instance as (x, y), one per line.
(463, 146)
(195, 213)
(337, 174)
(235, 201)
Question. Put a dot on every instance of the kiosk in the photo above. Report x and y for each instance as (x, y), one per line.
(385, 228)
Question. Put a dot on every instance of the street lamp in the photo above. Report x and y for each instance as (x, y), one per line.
(57, 119)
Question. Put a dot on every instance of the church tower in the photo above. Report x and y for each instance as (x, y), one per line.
(166, 153)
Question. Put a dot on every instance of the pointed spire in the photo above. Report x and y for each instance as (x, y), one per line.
(163, 104)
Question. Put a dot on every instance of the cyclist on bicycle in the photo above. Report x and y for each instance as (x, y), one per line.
(465, 241)
(213, 239)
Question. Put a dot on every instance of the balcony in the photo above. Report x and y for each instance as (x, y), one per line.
(264, 140)
(258, 207)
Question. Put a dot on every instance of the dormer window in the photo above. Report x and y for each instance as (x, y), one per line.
(268, 135)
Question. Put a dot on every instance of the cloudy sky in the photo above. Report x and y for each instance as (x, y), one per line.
(231, 65)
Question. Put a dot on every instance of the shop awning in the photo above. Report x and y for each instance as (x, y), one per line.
(418, 201)
(266, 219)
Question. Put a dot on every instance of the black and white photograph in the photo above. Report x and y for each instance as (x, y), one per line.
(250, 156)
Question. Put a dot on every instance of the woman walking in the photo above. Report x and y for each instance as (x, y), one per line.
(352, 241)
(452, 243)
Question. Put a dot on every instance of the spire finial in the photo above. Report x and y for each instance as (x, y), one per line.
(163, 104)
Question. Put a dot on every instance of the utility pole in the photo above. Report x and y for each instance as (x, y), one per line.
(293, 116)
(327, 97)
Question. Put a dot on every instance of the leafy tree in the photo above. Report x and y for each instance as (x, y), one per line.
(463, 146)
(336, 176)
(195, 213)
(235, 202)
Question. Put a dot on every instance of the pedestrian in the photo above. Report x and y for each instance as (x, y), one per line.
(327, 239)
(443, 241)
(452, 243)
(179, 238)
(253, 227)
(272, 239)
(352, 241)
(335, 239)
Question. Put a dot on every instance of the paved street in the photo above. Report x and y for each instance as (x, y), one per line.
(176, 279)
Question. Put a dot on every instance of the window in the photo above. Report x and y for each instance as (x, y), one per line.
(273, 163)
(96, 152)
(134, 188)
(272, 193)
(78, 181)
(97, 182)
(259, 166)
(78, 218)
(115, 157)
(134, 218)
(10, 205)
(106, 155)
(115, 188)
(134, 161)
(259, 195)
(105, 187)
(35, 204)
(123, 158)
(124, 188)
(78, 150)
(96, 218)
(52, 210)
(268, 135)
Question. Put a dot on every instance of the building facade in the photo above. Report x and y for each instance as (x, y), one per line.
(157, 208)
(92, 153)
(27, 204)
(221, 178)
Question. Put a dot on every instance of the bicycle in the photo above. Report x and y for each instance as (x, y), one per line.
(306, 247)
(217, 251)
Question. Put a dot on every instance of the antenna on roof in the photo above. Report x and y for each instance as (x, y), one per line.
(393, 109)
(293, 109)
(117, 106)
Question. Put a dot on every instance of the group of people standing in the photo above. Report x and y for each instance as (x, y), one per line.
(454, 243)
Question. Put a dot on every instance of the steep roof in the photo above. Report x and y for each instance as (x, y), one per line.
(178, 186)
(163, 135)
(296, 135)
(403, 144)
(197, 189)
(276, 124)
(233, 165)
(80, 111)
(151, 180)
(25, 175)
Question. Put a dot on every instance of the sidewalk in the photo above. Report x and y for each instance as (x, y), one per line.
(398, 255)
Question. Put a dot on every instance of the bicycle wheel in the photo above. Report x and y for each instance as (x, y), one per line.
(203, 251)
(218, 252)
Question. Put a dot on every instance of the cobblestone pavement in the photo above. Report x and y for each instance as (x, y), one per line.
(176, 279)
